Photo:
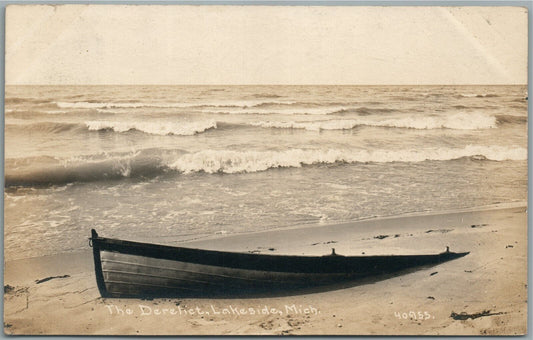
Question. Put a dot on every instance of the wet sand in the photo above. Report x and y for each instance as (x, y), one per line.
(484, 293)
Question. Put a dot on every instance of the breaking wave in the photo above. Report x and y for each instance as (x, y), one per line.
(100, 105)
(44, 171)
(154, 128)
(153, 162)
(136, 104)
(477, 95)
(233, 107)
(189, 128)
(457, 122)
(212, 161)
(311, 126)
(282, 110)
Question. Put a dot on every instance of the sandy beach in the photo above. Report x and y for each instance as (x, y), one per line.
(482, 293)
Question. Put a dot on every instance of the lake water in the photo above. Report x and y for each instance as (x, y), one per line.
(172, 163)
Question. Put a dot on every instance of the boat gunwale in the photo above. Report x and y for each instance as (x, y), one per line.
(332, 263)
(118, 243)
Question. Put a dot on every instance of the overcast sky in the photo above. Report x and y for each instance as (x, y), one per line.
(116, 44)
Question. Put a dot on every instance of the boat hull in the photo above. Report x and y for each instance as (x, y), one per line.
(133, 269)
(133, 275)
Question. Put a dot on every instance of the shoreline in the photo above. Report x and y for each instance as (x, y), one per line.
(488, 287)
(215, 237)
(495, 206)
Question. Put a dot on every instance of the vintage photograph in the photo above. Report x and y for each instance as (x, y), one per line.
(265, 170)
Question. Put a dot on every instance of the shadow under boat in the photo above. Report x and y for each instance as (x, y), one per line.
(145, 270)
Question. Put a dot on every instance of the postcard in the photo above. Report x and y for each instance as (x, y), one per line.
(265, 170)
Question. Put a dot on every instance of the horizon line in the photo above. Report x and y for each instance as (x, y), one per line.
(140, 84)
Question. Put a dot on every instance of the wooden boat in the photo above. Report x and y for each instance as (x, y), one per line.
(134, 269)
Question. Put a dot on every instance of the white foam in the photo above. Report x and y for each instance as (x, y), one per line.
(55, 112)
(279, 110)
(312, 126)
(479, 95)
(119, 105)
(155, 128)
(226, 161)
(460, 121)
(235, 104)
(245, 103)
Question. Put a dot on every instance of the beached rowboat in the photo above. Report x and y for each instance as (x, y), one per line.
(134, 269)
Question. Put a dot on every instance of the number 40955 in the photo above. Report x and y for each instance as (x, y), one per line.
(414, 315)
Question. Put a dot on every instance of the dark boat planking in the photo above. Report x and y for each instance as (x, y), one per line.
(135, 269)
